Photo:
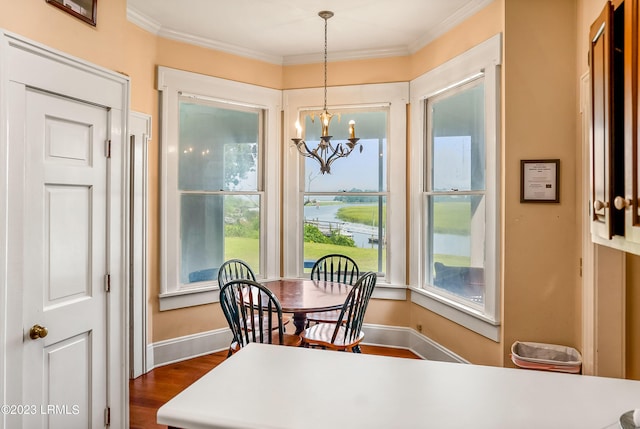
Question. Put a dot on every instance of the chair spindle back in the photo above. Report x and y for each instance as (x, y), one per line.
(336, 268)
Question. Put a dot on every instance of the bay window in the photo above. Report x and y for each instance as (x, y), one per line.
(359, 209)
(345, 211)
(217, 201)
(455, 189)
(219, 187)
(455, 193)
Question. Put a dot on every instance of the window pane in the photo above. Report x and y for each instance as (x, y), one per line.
(456, 251)
(352, 225)
(218, 148)
(362, 171)
(458, 152)
(214, 228)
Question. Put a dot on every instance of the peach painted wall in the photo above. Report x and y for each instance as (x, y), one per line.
(41, 22)
(473, 347)
(171, 53)
(379, 70)
(484, 24)
(541, 299)
(633, 317)
(460, 340)
(388, 312)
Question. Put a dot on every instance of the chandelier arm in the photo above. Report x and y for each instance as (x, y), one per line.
(330, 146)
(306, 152)
(337, 155)
(313, 154)
(318, 158)
(342, 151)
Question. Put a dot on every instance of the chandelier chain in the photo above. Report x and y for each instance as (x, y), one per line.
(325, 64)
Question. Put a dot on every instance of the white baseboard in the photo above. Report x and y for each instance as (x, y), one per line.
(190, 346)
(187, 347)
(150, 359)
(407, 338)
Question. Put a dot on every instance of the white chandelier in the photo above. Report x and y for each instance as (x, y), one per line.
(326, 152)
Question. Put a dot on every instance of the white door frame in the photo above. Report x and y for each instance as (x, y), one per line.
(140, 133)
(41, 67)
(603, 275)
(587, 261)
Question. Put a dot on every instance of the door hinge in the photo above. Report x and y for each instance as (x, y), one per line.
(108, 149)
(107, 416)
(580, 267)
(107, 283)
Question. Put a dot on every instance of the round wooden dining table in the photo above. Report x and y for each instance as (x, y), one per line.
(302, 296)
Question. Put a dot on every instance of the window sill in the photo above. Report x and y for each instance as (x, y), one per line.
(189, 298)
(389, 291)
(210, 294)
(466, 317)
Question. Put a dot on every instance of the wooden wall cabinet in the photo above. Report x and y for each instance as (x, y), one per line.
(630, 201)
(613, 60)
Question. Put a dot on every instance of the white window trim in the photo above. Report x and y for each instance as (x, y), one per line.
(484, 58)
(171, 83)
(396, 96)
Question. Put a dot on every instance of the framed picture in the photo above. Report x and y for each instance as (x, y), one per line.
(83, 9)
(539, 181)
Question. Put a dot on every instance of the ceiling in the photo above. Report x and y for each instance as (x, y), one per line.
(291, 32)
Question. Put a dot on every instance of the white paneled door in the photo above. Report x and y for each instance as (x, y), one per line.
(63, 235)
(64, 298)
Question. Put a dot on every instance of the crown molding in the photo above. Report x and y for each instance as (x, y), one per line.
(143, 21)
(152, 26)
(458, 17)
(363, 54)
(219, 46)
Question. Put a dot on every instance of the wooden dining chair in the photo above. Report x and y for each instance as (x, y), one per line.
(234, 269)
(334, 268)
(237, 269)
(250, 309)
(346, 333)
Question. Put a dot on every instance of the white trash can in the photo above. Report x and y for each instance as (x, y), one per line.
(546, 357)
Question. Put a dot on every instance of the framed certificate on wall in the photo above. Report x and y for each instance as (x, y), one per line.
(82, 9)
(539, 181)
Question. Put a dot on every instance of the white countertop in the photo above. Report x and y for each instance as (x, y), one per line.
(266, 386)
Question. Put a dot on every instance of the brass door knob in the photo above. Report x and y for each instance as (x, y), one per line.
(38, 331)
(599, 205)
(621, 203)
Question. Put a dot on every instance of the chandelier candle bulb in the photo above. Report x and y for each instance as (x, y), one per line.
(298, 130)
(352, 129)
(325, 127)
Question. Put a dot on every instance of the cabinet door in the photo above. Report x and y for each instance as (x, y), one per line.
(600, 60)
(629, 202)
(607, 59)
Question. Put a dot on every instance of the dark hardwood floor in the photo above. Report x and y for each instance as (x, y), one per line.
(149, 392)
